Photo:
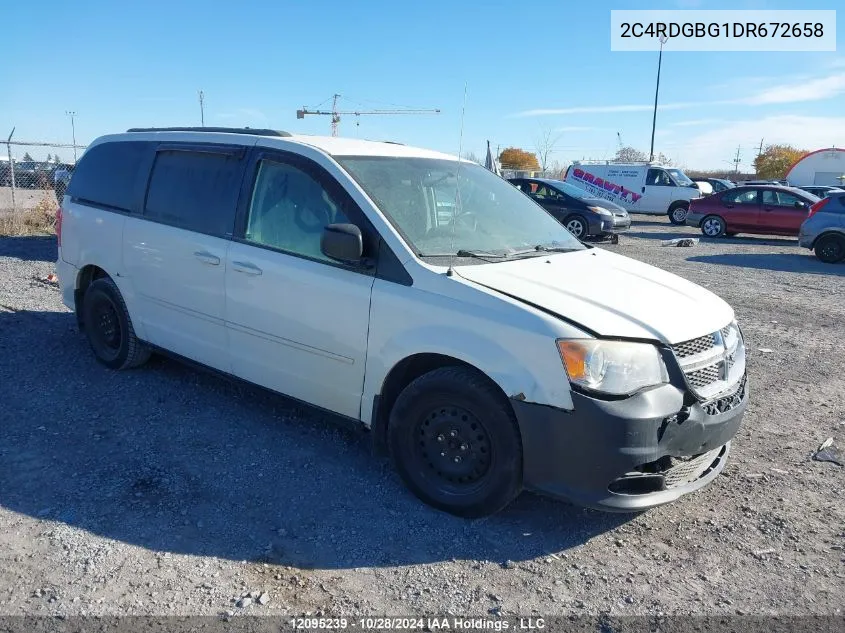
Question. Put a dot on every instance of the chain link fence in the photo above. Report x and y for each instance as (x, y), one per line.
(33, 179)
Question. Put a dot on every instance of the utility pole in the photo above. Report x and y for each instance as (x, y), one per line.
(72, 115)
(663, 40)
(736, 161)
(11, 165)
(202, 108)
(759, 153)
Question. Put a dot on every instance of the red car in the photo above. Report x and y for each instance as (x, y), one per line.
(767, 209)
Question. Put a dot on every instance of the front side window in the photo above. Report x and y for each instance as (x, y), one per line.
(197, 191)
(486, 213)
(289, 210)
(749, 196)
(659, 178)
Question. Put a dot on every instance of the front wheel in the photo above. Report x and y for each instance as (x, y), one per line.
(678, 214)
(577, 226)
(713, 226)
(455, 442)
(830, 248)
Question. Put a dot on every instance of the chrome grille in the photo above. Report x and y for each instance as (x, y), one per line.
(705, 376)
(695, 346)
(710, 368)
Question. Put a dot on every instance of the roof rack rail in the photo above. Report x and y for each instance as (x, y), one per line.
(227, 130)
(613, 161)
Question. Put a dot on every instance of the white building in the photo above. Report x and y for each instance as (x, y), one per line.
(822, 167)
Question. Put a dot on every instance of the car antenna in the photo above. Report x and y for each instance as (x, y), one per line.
(451, 270)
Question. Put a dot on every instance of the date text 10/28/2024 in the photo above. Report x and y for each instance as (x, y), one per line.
(418, 624)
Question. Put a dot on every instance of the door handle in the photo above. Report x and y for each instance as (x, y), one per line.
(247, 268)
(643, 189)
(207, 258)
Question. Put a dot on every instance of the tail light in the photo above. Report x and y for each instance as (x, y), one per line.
(818, 206)
(59, 226)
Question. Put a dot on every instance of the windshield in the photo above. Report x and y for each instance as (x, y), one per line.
(680, 177)
(571, 190)
(492, 217)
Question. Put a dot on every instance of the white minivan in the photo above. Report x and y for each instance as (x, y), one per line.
(639, 187)
(486, 349)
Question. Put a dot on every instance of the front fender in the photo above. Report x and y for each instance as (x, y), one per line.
(535, 377)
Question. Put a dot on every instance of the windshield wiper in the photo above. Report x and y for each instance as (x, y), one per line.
(544, 249)
(483, 255)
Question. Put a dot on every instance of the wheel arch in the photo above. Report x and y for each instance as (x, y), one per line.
(827, 233)
(400, 376)
(86, 276)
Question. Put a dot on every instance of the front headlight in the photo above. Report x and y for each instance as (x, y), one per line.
(612, 367)
(600, 211)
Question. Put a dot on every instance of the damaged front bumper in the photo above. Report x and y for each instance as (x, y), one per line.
(630, 454)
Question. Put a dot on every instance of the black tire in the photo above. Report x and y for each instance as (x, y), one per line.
(830, 248)
(578, 226)
(678, 214)
(108, 327)
(713, 226)
(479, 469)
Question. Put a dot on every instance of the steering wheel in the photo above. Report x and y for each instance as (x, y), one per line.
(309, 219)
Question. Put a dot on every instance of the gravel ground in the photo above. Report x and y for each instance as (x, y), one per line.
(165, 490)
(24, 198)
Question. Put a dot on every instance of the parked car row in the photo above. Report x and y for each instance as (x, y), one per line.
(776, 210)
(31, 174)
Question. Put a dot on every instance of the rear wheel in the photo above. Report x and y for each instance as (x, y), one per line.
(713, 226)
(577, 225)
(830, 248)
(455, 442)
(678, 213)
(108, 327)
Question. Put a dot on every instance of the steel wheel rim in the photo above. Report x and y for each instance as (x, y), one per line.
(106, 330)
(712, 227)
(454, 449)
(831, 249)
(679, 214)
(576, 227)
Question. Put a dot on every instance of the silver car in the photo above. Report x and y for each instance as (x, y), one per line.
(824, 229)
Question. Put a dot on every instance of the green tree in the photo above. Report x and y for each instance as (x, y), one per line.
(515, 158)
(27, 157)
(776, 160)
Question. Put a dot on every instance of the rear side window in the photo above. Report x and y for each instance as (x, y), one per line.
(107, 174)
(748, 196)
(195, 190)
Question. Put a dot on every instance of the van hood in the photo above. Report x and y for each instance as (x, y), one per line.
(608, 294)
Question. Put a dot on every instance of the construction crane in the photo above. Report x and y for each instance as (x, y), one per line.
(335, 114)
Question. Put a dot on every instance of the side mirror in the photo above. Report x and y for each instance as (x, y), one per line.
(342, 242)
(800, 204)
